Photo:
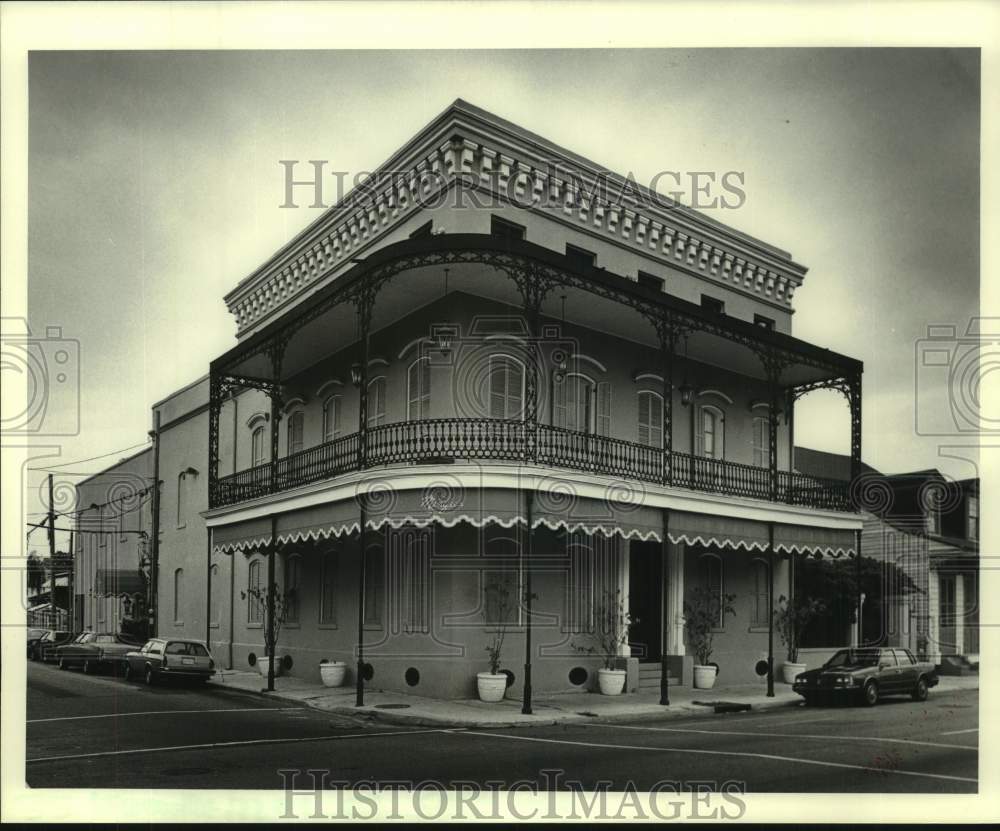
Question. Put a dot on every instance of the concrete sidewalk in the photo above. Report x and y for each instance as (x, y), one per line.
(415, 710)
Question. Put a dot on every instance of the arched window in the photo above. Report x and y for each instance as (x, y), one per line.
(711, 580)
(257, 446)
(178, 589)
(650, 419)
(296, 423)
(216, 609)
(255, 609)
(506, 387)
(331, 418)
(376, 401)
(710, 435)
(761, 441)
(293, 565)
(761, 597)
(180, 499)
(572, 405)
(418, 387)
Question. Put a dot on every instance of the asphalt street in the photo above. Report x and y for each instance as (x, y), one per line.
(102, 732)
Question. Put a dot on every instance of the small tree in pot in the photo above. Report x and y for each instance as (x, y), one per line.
(703, 614)
(498, 607)
(283, 603)
(791, 619)
(608, 637)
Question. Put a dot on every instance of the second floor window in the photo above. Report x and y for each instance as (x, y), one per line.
(650, 419)
(257, 447)
(506, 387)
(972, 529)
(376, 401)
(331, 418)
(418, 379)
(710, 436)
(296, 422)
(761, 442)
(572, 403)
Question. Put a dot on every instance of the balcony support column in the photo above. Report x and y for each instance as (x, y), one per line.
(214, 411)
(668, 343)
(773, 367)
(770, 610)
(854, 398)
(665, 610)
(359, 681)
(526, 549)
(364, 301)
(276, 352)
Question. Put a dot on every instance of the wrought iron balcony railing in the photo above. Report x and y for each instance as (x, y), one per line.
(459, 439)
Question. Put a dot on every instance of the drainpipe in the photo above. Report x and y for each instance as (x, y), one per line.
(232, 559)
(664, 616)
(529, 501)
(770, 608)
(154, 546)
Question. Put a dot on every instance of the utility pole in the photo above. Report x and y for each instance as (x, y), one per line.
(52, 554)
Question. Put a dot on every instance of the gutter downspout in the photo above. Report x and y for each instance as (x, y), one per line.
(154, 548)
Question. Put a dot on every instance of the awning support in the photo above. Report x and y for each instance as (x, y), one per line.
(525, 548)
(770, 609)
(359, 699)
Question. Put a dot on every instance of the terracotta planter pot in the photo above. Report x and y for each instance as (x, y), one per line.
(790, 670)
(611, 681)
(491, 687)
(704, 677)
(333, 673)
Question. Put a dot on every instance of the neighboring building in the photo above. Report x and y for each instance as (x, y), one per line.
(924, 529)
(111, 546)
(576, 396)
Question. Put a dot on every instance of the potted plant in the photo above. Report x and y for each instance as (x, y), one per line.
(608, 636)
(282, 603)
(332, 673)
(790, 620)
(497, 610)
(703, 615)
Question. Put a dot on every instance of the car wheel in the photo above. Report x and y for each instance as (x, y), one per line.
(811, 700)
(127, 672)
(870, 694)
(148, 677)
(88, 667)
(920, 691)
(62, 663)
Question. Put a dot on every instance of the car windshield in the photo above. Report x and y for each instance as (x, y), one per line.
(854, 658)
(35, 633)
(86, 637)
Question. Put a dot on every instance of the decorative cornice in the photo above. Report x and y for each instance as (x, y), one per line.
(487, 154)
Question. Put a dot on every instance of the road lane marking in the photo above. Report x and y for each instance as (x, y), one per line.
(166, 712)
(705, 752)
(210, 746)
(788, 735)
(957, 732)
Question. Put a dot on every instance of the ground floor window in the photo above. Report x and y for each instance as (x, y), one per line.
(328, 587)
(592, 580)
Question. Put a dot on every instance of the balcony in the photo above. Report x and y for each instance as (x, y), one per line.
(465, 439)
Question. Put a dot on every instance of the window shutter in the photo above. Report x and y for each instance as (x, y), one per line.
(604, 409)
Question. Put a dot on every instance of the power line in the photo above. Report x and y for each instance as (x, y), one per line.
(54, 468)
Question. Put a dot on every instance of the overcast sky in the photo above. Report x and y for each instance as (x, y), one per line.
(155, 187)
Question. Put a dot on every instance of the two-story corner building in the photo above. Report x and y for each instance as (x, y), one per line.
(947, 512)
(923, 529)
(111, 545)
(498, 364)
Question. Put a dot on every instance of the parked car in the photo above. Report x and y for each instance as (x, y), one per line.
(34, 635)
(45, 647)
(867, 674)
(162, 658)
(95, 650)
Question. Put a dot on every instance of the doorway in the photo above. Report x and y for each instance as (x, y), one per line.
(644, 597)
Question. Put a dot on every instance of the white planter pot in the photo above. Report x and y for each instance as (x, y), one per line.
(262, 666)
(333, 673)
(491, 687)
(704, 677)
(611, 681)
(790, 670)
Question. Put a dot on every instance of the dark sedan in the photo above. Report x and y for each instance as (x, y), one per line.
(96, 650)
(45, 647)
(867, 674)
(34, 635)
